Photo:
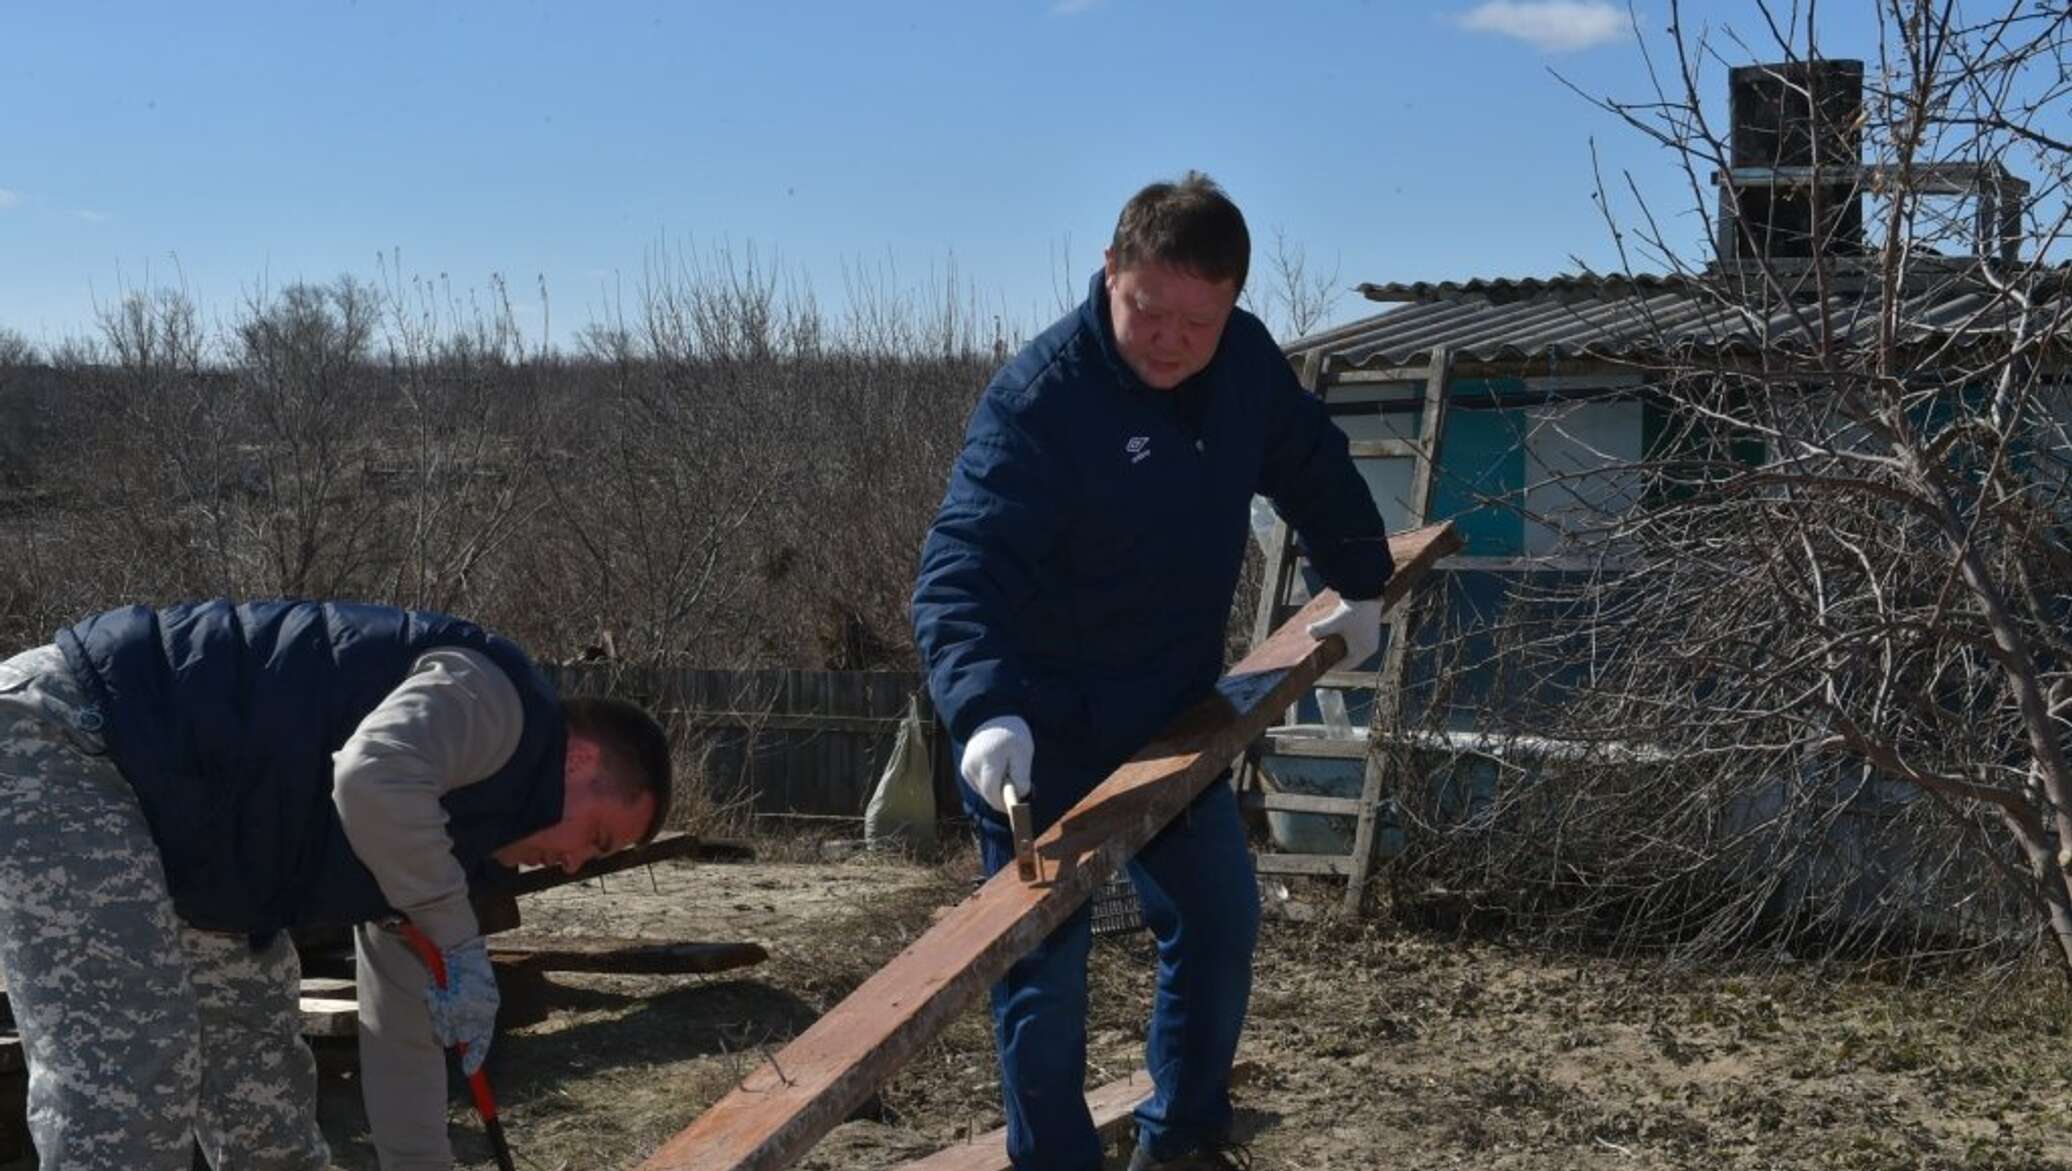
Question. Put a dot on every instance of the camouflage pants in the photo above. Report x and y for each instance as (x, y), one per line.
(142, 1035)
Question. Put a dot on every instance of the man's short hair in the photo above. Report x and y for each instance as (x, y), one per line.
(634, 747)
(1189, 225)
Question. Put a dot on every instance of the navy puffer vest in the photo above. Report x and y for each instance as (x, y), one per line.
(224, 717)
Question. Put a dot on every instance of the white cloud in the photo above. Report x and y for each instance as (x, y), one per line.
(1073, 7)
(91, 216)
(8, 199)
(1551, 26)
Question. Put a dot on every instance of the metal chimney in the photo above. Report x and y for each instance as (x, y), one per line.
(1794, 190)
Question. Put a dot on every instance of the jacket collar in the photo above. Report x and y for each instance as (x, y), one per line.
(1094, 316)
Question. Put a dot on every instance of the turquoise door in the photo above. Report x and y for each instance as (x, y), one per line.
(1483, 456)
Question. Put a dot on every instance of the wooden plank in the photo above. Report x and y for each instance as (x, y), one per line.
(729, 747)
(662, 849)
(322, 999)
(329, 1016)
(1350, 680)
(329, 1006)
(1325, 864)
(859, 754)
(1382, 448)
(824, 751)
(1316, 746)
(838, 771)
(1111, 1105)
(790, 1100)
(623, 956)
(1383, 374)
(495, 910)
(1568, 383)
(1304, 803)
(787, 721)
(795, 763)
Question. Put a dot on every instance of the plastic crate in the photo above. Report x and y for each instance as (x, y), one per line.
(1116, 909)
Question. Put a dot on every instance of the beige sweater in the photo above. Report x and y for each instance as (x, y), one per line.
(455, 720)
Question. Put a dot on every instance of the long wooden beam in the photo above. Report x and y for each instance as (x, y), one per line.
(1111, 1105)
(790, 1100)
(662, 849)
(623, 956)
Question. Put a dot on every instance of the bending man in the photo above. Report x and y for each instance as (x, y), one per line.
(180, 787)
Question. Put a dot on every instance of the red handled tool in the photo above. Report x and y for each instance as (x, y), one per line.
(478, 1081)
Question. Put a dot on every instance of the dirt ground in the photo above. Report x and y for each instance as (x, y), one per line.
(1375, 1046)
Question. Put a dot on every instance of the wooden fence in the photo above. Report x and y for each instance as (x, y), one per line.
(792, 743)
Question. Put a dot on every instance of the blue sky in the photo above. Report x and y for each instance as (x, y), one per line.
(236, 147)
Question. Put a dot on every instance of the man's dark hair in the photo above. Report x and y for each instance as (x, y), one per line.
(1189, 225)
(634, 747)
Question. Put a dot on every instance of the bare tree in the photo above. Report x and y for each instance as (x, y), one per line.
(309, 403)
(15, 350)
(160, 425)
(17, 407)
(1293, 299)
(1824, 660)
(657, 470)
(462, 456)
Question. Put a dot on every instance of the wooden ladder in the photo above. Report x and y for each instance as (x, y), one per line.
(1283, 591)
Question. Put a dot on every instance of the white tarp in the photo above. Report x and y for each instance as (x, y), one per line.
(902, 808)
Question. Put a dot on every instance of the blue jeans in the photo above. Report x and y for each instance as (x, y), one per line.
(1201, 902)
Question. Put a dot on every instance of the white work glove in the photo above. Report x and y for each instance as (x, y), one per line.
(1000, 753)
(464, 1008)
(1358, 623)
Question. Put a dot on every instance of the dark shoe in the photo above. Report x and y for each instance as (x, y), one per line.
(1225, 1156)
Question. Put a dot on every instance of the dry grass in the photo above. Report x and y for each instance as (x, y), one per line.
(1375, 1045)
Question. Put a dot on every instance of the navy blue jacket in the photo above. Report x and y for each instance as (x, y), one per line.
(223, 719)
(1080, 571)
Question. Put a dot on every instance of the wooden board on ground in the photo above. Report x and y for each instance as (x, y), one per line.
(623, 956)
(329, 1007)
(14, 1099)
(662, 849)
(329, 950)
(791, 1099)
(1111, 1105)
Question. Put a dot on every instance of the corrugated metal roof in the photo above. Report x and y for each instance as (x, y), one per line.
(1501, 290)
(1625, 320)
